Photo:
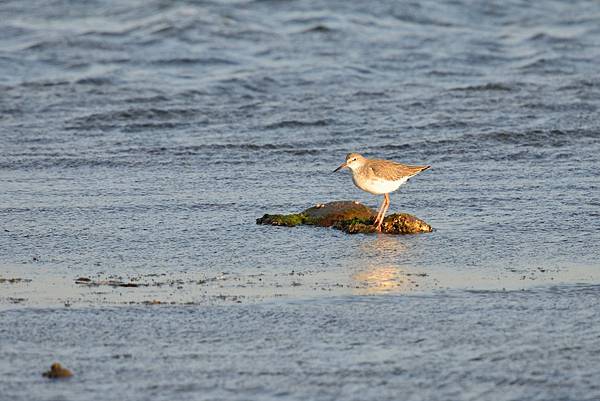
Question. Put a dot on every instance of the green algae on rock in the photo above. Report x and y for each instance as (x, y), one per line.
(350, 217)
(397, 223)
(286, 220)
(404, 223)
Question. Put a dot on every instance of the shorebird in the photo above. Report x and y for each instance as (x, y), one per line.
(379, 177)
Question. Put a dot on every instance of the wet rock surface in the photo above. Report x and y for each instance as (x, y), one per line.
(328, 214)
(350, 217)
(57, 372)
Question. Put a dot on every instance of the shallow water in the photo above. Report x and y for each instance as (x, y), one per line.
(465, 345)
(140, 141)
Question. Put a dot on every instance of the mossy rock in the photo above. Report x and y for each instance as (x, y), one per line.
(328, 214)
(404, 223)
(357, 226)
(287, 220)
(350, 217)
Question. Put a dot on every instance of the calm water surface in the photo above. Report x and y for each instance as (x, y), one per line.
(140, 140)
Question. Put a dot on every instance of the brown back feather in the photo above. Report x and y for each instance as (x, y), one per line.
(390, 170)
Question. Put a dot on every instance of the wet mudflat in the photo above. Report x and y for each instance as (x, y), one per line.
(44, 289)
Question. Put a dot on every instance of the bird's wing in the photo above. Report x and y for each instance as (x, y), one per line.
(394, 171)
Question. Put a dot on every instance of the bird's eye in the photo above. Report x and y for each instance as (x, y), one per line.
(354, 159)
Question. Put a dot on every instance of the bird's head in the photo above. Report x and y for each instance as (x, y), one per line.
(353, 162)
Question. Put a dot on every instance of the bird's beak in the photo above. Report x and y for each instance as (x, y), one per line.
(340, 167)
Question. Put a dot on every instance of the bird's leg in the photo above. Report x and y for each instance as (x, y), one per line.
(387, 206)
(376, 222)
(386, 202)
(379, 212)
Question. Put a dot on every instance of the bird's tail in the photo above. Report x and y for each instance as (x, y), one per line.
(418, 169)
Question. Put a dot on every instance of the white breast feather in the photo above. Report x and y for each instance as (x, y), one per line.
(379, 187)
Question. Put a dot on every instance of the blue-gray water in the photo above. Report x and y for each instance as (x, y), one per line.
(141, 139)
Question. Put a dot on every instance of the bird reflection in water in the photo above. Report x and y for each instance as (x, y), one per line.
(380, 280)
(383, 248)
(380, 275)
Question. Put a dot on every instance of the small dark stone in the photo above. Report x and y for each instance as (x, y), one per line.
(57, 372)
(119, 284)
